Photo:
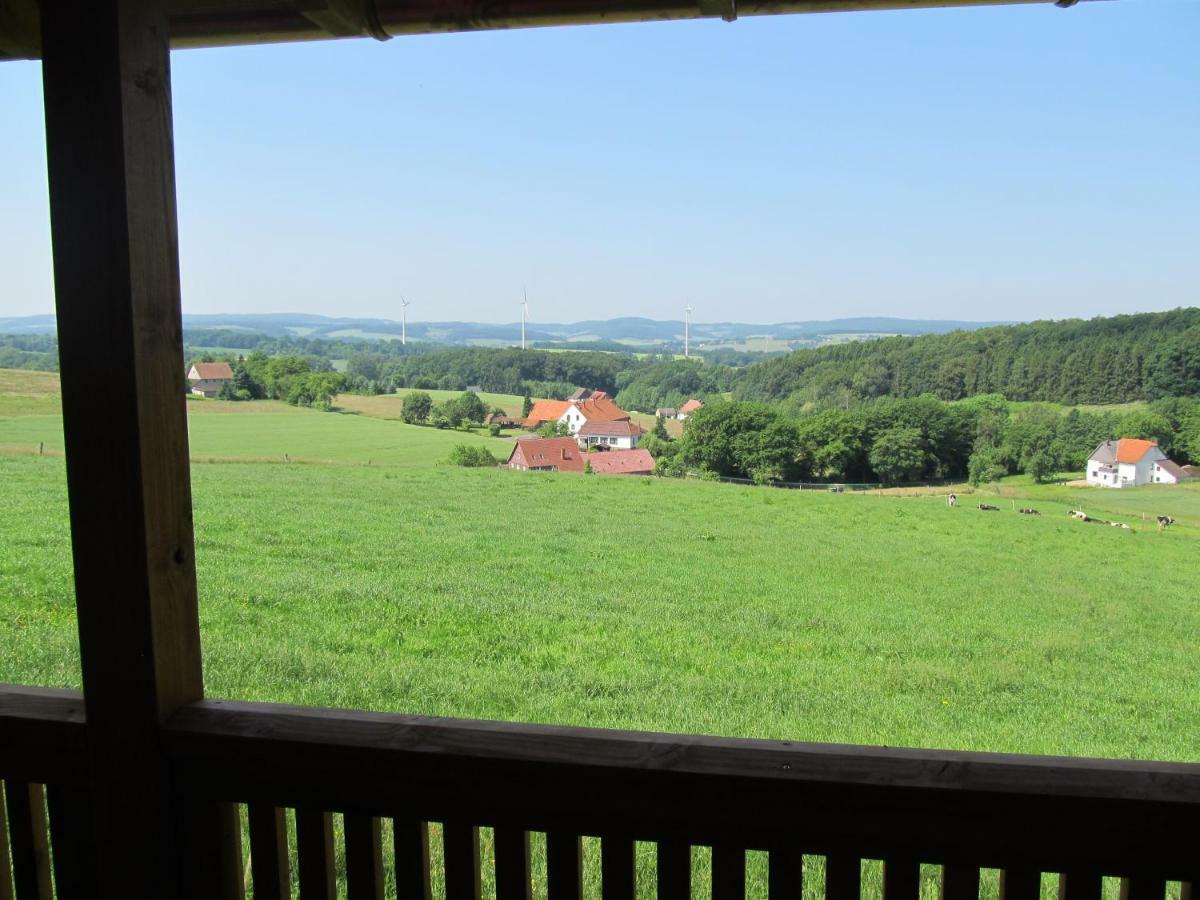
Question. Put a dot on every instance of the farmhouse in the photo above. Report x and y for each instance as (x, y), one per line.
(621, 434)
(688, 408)
(207, 379)
(547, 455)
(622, 462)
(1129, 462)
(666, 412)
(592, 411)
(503, 420)
(546, 411)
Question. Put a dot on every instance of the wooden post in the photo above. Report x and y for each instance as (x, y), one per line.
(106, 79)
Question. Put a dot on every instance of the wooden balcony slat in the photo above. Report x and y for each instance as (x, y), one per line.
(865, 802)
(43, 738)
(513, 869)
(618, 868)
(960, 882)
(411, 841)
(1020, 884)
(674, 870)
(785, 873)
(364, 857)
(314, 847)
(843, 878)
(269, 865)
(6, 886)
(74, 859)
(728, 873)
(29, 840)
(901, 879)
(1143, 887)
(461, 851)
(564, 866)
(1080, 886)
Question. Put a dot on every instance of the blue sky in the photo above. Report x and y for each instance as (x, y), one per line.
(992, 163)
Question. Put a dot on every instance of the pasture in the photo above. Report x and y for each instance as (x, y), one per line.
(389, 406)
(370, 576)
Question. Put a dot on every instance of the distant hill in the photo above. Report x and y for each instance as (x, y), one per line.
(629, 330)
(1103, 360)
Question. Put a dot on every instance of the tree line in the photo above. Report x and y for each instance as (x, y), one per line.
(898, 440)
(1104, 360)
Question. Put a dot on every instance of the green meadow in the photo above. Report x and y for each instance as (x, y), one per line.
(340, 563)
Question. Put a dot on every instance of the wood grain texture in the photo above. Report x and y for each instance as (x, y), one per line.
(29, 840)
(110, 162)
(269, 865)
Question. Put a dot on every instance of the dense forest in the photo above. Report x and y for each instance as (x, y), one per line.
(1103, 360)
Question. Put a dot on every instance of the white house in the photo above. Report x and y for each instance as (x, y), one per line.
(1130, 462)
(207, 379)
(582, 412)
(618, 435)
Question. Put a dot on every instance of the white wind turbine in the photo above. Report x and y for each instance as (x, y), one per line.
(687, 321)
(524, 315)
(403, 321)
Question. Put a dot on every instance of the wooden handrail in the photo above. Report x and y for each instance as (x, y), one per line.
(1010, 811)
(982, 809)
(42, 735)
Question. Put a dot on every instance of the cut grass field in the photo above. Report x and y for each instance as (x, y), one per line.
(388, 406)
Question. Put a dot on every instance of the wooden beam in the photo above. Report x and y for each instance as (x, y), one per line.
(107, 88)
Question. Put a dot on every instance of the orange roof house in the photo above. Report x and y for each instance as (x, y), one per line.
(690, 407)
(546, 411)
(1132, 450)
(207, 379)
(547, 455)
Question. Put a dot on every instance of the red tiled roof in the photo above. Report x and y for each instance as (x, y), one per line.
(603, 410)
(546, 411)
(540, 453)
(691, 406)
(599, 395)
(620, 428)
(622, 462)
(1132, 450)
(213, 371)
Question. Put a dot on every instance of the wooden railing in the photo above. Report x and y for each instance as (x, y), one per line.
(1081, 819)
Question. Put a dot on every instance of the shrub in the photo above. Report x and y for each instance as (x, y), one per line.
(471, 456)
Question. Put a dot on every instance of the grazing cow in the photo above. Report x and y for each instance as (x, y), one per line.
(952, 500)
(988, 507)
(1026, 511)
(1078, 514)
(1164, 521)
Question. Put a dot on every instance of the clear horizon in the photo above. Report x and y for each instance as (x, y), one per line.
(994, 163)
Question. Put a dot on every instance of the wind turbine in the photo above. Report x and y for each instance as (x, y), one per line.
(403, 321)
(524, 315)
(687, 321)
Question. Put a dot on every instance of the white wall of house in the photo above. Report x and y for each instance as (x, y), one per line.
(209, 387)
(1162, 476)
(614, 442)
(573, 419)
(1128, 474)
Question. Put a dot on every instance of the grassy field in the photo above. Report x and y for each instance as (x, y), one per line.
(639, 603)
(388, 406)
